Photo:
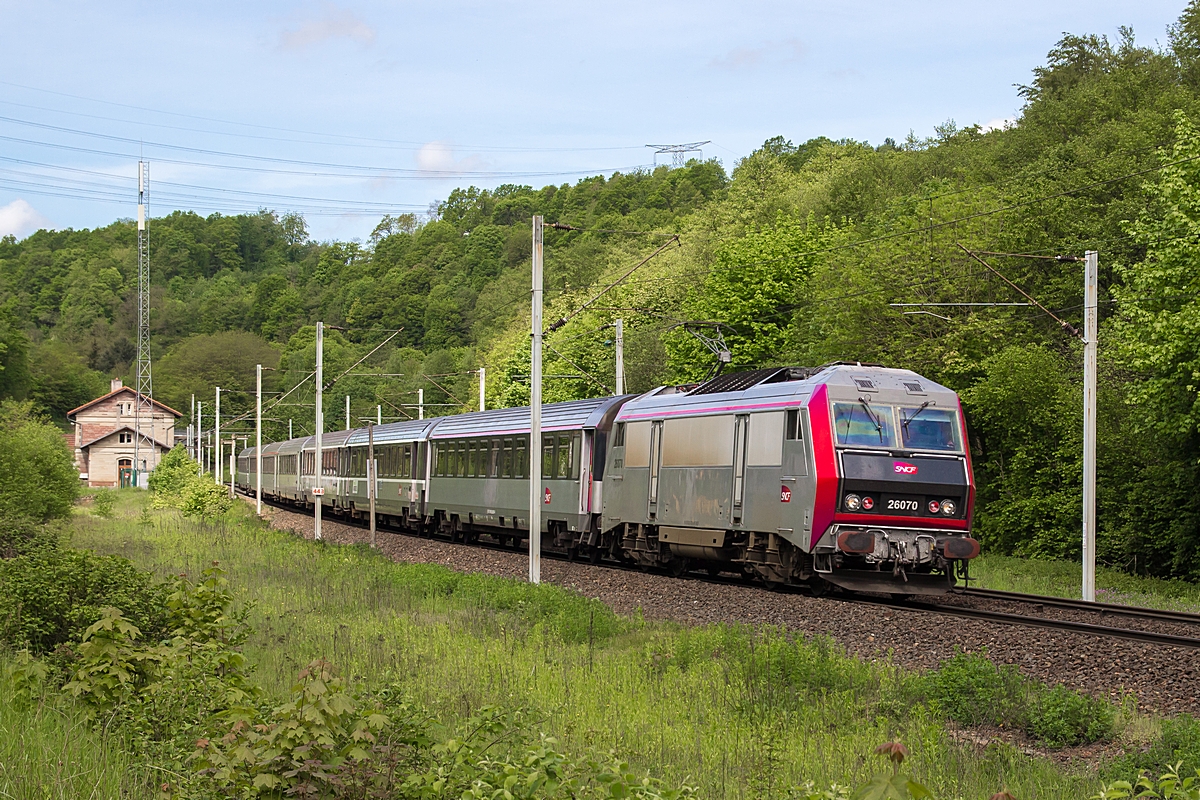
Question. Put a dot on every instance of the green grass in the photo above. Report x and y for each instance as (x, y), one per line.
(1064, 579)
(49, 751)
(739, 712)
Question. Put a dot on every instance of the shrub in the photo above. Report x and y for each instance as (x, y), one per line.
(174, 473)
(202, 499)
(37, 470)
(1060, 717)
(971, 690)
(21, 536)
(49, 597)
(103, 502)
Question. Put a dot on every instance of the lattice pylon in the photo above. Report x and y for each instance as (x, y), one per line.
(144, 384)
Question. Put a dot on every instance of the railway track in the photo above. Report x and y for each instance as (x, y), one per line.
(1052, 623)
(1037, 602)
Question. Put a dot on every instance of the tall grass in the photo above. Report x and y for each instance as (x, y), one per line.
(740, 712)
(49, 751)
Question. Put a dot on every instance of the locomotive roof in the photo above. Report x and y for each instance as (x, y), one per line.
(779, 387)
(555, 417)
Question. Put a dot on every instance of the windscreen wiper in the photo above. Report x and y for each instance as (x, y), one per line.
(871, 415)
(904, 421)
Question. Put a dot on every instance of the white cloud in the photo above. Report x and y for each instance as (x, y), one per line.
(439, 157)
(20, 219)
(781, 52)
(335, 23)
(998, 124)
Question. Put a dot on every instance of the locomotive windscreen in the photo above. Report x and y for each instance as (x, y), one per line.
(925, 428)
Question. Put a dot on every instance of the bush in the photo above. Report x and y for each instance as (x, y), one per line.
(971, 690)
(1060, 717)
(203, 499)
(49, 596)
(103, 502)
(21, 536)
(174, 473)
(37, 470)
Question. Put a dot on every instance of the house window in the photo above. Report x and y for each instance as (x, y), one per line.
(125, 438)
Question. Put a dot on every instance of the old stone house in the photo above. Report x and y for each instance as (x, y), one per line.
(104, 437)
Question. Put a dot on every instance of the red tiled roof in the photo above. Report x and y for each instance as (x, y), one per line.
(91, 403)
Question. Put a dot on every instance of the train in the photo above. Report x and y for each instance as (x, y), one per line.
(848, 475)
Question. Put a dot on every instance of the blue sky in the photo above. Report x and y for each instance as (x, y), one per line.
(348, 110)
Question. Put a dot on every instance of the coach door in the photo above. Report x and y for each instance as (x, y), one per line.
(655, 465)
(125, 473)
(741, 424)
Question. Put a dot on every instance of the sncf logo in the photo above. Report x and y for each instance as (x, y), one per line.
(904, 468)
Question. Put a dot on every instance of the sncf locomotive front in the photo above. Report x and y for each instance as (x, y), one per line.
(852, 475)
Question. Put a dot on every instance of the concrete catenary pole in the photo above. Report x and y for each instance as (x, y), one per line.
(482, 389)
(258, 439)
(347, 413)
(420, 404)
(217, 439)
(191, 442)
(378, 415)
(372, 478)
(199, 441)
(535, 413)
(290, 429)
(232, 465)
(1090, 334)
(320, 426)
(620, 347)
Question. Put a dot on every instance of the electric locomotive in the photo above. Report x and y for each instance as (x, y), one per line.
(850, 475)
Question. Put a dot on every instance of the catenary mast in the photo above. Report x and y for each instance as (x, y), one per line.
(143, 416)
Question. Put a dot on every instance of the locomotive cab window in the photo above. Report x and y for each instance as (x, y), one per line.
(864, 424)
(791, 426)
(618, 439)
(928, 428)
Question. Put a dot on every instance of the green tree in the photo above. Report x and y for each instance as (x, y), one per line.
(37, 470)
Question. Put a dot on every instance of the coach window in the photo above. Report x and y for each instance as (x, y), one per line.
(562, 456)
(506, 459)
(548, 456)
(462, 459)
(472, 457)
(521, 456)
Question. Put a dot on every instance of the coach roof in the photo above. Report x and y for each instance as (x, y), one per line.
(555, 417)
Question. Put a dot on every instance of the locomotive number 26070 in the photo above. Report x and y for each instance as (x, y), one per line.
(902, 505)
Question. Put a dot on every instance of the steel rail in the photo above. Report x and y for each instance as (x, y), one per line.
(1025, 620)
(1103, 609)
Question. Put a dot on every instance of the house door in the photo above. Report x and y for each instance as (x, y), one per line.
(125, 472)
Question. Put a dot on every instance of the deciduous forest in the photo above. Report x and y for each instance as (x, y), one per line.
(798, 250)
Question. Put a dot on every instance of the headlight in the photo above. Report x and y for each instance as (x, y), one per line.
(853, 502)
(948, 508)
(934, 506)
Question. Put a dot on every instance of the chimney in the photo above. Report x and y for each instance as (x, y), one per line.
(116, 384)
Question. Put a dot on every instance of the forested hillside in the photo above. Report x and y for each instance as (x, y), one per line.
(799, 252)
